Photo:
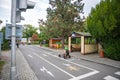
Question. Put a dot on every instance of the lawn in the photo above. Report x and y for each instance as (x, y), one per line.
(1, 66)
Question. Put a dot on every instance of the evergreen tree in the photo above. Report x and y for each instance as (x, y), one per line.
(103, 24)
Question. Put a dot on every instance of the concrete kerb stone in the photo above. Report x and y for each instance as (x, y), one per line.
(98, 62)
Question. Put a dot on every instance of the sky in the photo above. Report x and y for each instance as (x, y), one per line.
(39, 12)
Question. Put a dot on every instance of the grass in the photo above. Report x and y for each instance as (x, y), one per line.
(1, 65)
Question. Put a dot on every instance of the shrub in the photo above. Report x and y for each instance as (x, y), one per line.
(112, 49)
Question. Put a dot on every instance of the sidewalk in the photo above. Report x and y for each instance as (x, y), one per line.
(24, 72)
(91, 57)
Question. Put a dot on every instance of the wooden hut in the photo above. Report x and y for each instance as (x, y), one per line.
(54, 42)
(87, 43)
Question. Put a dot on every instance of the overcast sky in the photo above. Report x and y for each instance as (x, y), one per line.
(39, 12)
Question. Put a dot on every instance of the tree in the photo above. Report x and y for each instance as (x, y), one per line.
(63, 17)
(103, 24)
(35, 37)
(6, 43)
(29, 30)
(43, 35)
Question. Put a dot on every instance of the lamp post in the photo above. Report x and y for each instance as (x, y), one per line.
(13, 39)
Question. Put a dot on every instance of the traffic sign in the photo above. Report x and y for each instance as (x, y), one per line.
(1, 37)
(8, 32)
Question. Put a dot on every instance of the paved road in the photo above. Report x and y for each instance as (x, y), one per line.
(48, 66)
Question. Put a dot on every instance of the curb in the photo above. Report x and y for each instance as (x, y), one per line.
(97, 62)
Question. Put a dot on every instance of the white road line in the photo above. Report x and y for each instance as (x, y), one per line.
(81, 76)
(118, 73)
(30, 56)
(72, 62)
(50, 73)
(43, 69)
(44, 55)
(68, 65)
(73, 77)
(85, 75)
(54, 66)
(110, 78)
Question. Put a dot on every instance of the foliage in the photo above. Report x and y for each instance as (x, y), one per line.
(6, 43)
(29, 30)
(63, 17)
(43, 35)
(104, 24)
(112, 48)
(35, 37)
(1, 66)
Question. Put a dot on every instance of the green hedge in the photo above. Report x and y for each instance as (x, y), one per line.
(5, 45)
(112, 49)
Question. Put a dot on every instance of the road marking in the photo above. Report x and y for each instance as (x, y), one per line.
(73, 77)
(85, 75)
(81, 76)
(71, 67)
(118, 73)
(30, 56)
(43, 69)
(72, 62)
(67, 64)
(110, 78)
(44, 55)
(54, 65)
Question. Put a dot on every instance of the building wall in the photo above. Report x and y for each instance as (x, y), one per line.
(90, 48)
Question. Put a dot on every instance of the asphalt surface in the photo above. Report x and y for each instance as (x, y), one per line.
(48, 66)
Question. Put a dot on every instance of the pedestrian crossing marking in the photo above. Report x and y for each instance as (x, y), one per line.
(118, 73)
(110, 78)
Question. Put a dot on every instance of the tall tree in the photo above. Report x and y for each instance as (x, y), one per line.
(103, 23)
(63, 17)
